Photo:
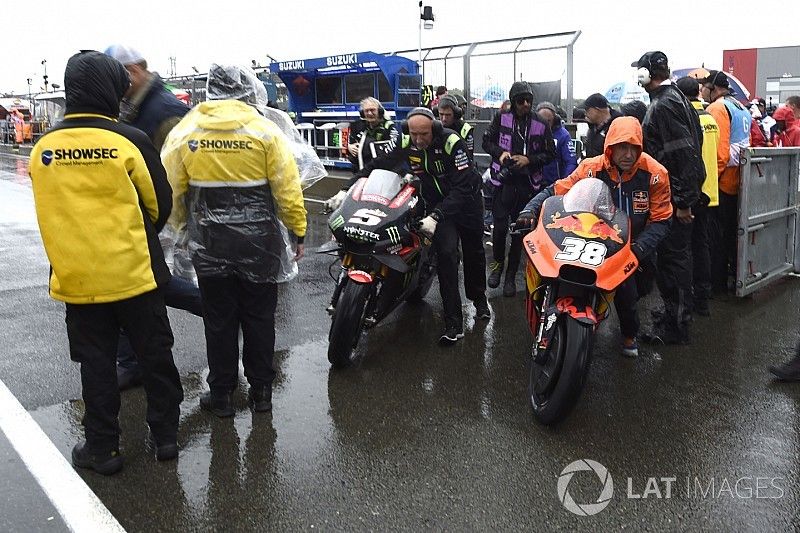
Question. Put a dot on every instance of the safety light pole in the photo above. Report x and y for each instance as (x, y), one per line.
(426, 18)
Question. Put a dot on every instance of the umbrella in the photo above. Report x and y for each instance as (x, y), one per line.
(738, 90)
(624, 92)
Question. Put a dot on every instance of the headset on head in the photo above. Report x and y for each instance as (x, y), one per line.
(424, 111)
(451, 102)
(381, 111)
(644, 75)
(714, 79)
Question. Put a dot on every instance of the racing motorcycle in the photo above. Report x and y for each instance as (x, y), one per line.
(578, 254)
(384, 260)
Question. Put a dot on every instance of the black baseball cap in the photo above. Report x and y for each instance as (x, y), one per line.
(652, 60)
(717, 78)
(596, 100)
(689, 86)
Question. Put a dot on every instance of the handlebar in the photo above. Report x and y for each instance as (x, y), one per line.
(513, 229)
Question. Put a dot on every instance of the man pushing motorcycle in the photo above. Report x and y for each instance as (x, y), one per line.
(450, 186)
(640, 187)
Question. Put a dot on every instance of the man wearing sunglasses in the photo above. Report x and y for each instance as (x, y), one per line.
(520, 144)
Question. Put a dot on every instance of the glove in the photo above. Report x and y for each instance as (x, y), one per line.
(333, 203)
(427, 226)
(527, 219)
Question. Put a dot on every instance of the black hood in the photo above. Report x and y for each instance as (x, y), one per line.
(518, 88)
(94, 83)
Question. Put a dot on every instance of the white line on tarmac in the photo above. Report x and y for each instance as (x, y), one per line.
(78, 506)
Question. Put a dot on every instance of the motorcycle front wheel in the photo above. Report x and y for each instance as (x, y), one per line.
(554, 387)
(347, 324)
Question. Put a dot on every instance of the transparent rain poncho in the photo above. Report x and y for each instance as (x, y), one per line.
(223, 222)
(590, 195)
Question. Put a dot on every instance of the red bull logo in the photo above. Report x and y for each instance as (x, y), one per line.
(586, 225)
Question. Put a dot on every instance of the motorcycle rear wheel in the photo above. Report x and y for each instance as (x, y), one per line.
(554, 388)
(347, 323)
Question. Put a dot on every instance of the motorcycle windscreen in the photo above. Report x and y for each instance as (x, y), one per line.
(590, 195)
(381, 186)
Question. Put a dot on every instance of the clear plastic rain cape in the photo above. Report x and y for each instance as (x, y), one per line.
(217, 158)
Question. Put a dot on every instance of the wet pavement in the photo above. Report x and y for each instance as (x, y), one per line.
(416, 436)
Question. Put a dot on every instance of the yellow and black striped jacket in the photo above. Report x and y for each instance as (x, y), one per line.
(101, 198)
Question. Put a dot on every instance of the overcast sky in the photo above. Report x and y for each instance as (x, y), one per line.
(199, 32)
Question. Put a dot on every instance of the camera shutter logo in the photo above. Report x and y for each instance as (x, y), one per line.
(585, 509)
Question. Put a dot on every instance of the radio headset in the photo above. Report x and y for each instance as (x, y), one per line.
(424, 111)
(451, 101)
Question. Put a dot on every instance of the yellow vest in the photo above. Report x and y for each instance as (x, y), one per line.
(710, 141)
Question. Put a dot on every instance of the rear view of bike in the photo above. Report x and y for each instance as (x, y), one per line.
(578, 255)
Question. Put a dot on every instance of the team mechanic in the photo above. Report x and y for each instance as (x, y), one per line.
(450, 186)
(451, 113)
(101, 198)
(641, 187)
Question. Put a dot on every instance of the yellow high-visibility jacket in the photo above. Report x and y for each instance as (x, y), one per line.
(101, 198)
(234, 180)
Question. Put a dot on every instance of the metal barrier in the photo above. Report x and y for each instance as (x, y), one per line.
(768, 231)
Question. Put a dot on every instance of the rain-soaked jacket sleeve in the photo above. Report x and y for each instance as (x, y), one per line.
(672, 135)
(172, 159)
(284, 182)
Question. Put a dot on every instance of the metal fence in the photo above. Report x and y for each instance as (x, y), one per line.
(768, 232)
(492, 66)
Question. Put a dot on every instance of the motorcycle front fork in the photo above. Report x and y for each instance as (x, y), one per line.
(337, 291)
(370, 319)
(541, 342)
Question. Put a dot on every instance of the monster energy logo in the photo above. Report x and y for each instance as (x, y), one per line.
(394, 234)
(336, 223)
(439, 166)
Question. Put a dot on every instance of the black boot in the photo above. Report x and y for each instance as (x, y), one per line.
(790, 370)
(514, 256)
(260, 398)
(106, 463)
(219, 404)
(495, 273)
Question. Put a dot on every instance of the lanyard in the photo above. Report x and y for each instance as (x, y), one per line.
(523, 135)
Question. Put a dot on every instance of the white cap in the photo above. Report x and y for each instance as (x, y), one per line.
(124, 54)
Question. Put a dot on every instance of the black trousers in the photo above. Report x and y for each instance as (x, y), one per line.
(724, 254)
(674, 274)
(470, 233)
(510, 199)
(93, 331)
(625, 302)
(701, 253)
(178, 294)
(230, 303)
